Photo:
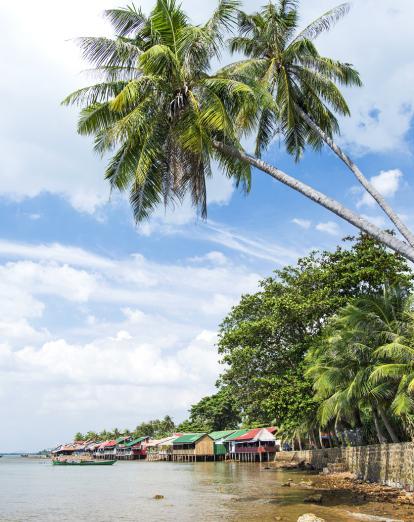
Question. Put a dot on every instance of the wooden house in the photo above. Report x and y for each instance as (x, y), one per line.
(193, 447)
(256, 444)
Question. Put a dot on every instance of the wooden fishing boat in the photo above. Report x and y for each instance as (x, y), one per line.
(82, 462)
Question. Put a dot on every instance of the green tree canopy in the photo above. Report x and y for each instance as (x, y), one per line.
(265, 337)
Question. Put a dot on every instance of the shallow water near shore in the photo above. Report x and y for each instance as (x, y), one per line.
(35, 490)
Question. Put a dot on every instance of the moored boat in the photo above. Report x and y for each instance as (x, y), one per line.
(82, 462)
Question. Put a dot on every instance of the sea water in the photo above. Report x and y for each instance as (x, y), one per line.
(35, 490)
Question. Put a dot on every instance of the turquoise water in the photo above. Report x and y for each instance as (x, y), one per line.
(36, 490)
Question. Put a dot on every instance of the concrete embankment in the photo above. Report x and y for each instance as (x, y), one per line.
(388, 464)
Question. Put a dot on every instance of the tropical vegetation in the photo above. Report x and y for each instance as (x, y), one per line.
(165, 117)
(324, 346)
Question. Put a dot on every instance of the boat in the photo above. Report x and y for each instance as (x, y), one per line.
(82, 462)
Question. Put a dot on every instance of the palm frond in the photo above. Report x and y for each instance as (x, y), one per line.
(126, 21)
(324, 22)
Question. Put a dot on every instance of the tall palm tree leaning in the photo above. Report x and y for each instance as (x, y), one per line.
(165, 116)
(302, 82)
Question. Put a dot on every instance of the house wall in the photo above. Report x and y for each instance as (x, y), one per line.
(204, 446)
(219, 449)
(390, 464)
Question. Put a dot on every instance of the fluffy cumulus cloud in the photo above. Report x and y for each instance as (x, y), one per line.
(118, 331)
(387, 183)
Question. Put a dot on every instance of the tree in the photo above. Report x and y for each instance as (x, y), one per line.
(156, 428)
(79, 437)
(392, 323)
(213, 413)
(265, 337)
(367, 360)
(303, 83)
(165, 118)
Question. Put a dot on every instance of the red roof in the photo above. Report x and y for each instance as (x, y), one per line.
(108, 444)
(251, 434)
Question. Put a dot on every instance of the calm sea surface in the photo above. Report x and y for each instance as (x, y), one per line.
(36, 490)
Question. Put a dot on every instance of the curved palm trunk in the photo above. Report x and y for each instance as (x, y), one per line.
(320, 198)
(381, 437)
(387, 424)
(401, 226)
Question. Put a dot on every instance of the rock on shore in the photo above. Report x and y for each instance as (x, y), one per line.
(310, 517)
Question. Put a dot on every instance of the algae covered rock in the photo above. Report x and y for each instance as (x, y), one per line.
(313, 499)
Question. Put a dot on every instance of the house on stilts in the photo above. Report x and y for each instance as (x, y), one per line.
(258, 444)
(192, 447)
(161, 449)
(132, 449)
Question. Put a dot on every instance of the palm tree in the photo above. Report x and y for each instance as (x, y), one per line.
(303, 82)
(165, 118)
(393, 316)
(342, 365)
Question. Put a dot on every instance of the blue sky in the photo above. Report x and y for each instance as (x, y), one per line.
(103, 324)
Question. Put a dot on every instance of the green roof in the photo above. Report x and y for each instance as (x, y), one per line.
(236, 434)
(188, 438)
(135, 441)
(217, 435)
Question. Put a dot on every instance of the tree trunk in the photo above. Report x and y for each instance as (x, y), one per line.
(330, 439)
(409, 236)
(387, 424)
(320, 198)
(381, 437)
(320, 439)
(299, 442)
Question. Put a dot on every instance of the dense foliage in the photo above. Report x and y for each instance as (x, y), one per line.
(270, 338)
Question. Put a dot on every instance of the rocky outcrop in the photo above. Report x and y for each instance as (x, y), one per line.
(313, 499)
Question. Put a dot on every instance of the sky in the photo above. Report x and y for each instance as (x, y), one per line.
(104, 324)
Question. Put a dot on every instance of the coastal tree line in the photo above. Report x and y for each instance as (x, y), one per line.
(326, 345)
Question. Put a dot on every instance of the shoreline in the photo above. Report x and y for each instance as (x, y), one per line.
(335, 484)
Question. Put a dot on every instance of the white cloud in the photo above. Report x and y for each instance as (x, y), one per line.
(330, 227)
(386, 182)
(215, 257)
(303, 223)
(118, 330)
(266, 250)
(382, 110)
(53, 252)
